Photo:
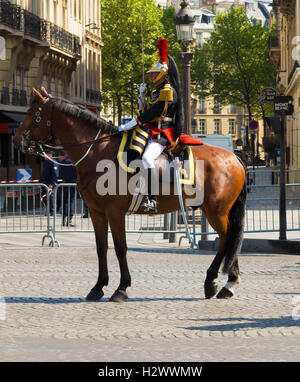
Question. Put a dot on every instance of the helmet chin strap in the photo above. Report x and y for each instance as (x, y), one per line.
(159, 77)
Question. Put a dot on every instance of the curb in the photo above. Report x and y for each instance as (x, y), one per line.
(258, 246)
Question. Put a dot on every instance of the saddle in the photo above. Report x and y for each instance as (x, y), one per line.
(132, 147)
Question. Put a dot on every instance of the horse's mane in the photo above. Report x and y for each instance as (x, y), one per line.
(69, 108)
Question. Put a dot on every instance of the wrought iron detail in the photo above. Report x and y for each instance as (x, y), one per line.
(93, 96)
(32, 25)
(10, 14)
(5, 96)
(23, 98)
(17, 18)
(63, 40)
(15, 97)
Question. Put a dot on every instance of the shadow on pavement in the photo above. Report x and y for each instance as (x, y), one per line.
(237, 323)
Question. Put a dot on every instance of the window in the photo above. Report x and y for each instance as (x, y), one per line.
(202, 129)
(75, 9)
(194, 125)
(55, 12)
(194, 107)
(199, 38)
(202, 106)
(33, 7)
(251, 6)
(217, 126)
(79, 11)
(217, 107)
(232, 109)
(232, 126)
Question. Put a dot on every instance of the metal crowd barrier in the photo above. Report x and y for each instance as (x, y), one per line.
(26, 208)
(168, 225)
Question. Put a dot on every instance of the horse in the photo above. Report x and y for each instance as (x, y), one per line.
(87, 139)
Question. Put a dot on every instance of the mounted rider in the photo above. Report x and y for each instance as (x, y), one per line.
(161, 114)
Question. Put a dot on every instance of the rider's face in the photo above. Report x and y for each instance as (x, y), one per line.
(152, 76)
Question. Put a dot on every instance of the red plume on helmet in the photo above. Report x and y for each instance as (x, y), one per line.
(162, 47)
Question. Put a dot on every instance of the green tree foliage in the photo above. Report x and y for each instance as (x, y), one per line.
(233, 65)
(122, 50)
(169, 32)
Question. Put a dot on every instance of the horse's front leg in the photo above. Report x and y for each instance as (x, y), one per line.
(101, 231)
(117, 226)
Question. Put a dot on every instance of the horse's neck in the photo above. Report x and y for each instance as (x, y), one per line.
(72, 133)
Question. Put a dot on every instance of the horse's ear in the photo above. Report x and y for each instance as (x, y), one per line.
(44, 91)
(39, 98)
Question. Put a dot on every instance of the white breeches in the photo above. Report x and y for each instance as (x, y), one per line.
(152, 151)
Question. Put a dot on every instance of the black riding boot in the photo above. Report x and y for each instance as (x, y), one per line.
(150, 204)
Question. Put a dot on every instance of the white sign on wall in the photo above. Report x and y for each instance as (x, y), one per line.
(2, 48)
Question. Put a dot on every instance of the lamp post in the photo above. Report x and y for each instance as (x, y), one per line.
(184, 21)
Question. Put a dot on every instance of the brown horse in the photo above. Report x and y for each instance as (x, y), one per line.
(87, 139)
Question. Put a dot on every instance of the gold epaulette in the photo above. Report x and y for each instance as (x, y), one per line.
(166, 94)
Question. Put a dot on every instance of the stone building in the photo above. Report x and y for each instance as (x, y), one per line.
(51, 43)
(284, 51)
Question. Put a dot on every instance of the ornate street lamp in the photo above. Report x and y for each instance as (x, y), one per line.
(184, 21)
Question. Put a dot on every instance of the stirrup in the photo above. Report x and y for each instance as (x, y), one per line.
(150, 205)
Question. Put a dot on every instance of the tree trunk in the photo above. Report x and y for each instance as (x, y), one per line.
(119, 107)
(247, 126)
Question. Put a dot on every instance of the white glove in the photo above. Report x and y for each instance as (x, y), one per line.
(128, 126)
(142, 101)
(143, 89)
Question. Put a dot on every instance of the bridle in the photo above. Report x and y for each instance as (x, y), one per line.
(32, 145)
(37, 147)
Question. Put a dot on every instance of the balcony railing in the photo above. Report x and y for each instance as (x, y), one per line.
(10, 15)
(32, 25)
(23, 98)
(93, 96)
(5, 96)
(15, 97)
(274, 42)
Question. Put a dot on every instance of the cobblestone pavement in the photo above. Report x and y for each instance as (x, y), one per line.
(44, 317)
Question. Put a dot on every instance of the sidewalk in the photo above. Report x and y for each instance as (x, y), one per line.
(166, 318)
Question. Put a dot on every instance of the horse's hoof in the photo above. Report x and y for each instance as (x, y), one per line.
(210, 289)
(225, 293)
(94, 295)
(119, 296)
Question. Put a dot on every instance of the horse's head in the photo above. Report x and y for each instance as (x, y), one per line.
(36, 127)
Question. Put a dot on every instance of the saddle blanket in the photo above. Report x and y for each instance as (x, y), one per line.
(127, 155)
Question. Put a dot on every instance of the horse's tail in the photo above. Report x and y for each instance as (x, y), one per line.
(235, 231)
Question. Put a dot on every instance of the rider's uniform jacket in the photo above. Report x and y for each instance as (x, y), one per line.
(159, 114)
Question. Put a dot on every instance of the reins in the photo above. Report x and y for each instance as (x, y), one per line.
(61, 147)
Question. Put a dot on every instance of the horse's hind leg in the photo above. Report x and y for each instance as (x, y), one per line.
(210, 286)
(101, 230)
(233, 279)
(117, 225)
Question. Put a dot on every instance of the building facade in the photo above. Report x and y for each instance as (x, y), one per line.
(208, 116)
(284, 52)
(51, 43)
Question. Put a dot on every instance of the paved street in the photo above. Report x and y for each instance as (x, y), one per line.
(44, 316)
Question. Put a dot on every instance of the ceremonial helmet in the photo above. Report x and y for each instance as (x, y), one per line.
(161, 67)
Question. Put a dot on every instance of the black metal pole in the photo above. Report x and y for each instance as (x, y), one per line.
(186, 57)
(253, 154)
(282, 206)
